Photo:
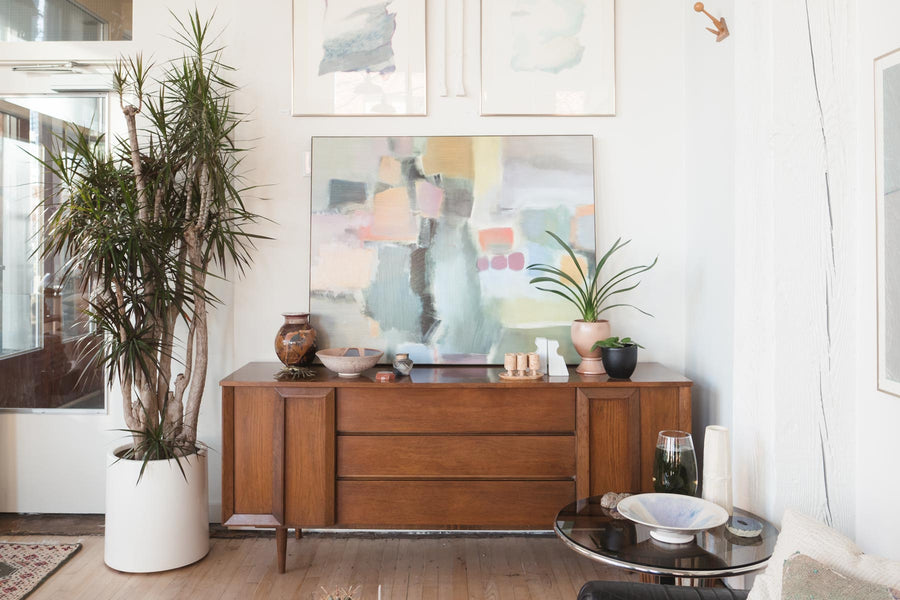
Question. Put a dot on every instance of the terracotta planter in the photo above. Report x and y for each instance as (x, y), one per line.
(295, 342)
(584, 335)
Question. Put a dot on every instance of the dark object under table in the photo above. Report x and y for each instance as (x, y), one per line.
(619, 590)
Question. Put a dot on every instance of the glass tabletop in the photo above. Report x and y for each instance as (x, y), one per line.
(598, 533)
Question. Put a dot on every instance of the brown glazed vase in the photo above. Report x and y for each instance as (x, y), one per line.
(295, 342)
(584, 335)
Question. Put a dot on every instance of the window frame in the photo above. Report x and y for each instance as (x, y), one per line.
(106, 101)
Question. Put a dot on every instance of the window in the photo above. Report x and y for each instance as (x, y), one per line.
(42, 363)
(65, 20)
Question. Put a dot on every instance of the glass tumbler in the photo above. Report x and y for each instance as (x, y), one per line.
(675, 463)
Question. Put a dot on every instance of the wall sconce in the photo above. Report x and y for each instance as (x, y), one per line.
(721, 30)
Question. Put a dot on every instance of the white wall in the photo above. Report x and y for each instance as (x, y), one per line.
(709, 236)
(56, 463)
(878, 414)
(795, 255)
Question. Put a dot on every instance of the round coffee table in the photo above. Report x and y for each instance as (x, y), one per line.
(595, 532)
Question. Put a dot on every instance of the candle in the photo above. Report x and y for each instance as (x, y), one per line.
(521, 362)
(509, 362)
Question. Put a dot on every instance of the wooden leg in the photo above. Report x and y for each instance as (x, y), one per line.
(281, 541)
(298, 532)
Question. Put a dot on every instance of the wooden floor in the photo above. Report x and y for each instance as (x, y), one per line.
(461, 567)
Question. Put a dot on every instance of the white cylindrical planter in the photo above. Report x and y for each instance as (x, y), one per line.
(161, 522)
(717, 467)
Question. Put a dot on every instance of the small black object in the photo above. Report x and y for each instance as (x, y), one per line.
(619, 362)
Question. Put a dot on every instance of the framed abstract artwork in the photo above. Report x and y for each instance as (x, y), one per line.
(358, 57)
(548, 57)
(887, 185)
(421, 244)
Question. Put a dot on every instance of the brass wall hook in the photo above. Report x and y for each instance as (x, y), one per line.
(721, 30)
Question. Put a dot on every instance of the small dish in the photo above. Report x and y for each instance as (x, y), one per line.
(672, 518)
(349, 362)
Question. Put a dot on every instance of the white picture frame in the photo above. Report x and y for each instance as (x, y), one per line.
(887, 186)
(339, 68)
(548, 57)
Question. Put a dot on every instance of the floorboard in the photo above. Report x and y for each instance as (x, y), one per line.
(403, 568)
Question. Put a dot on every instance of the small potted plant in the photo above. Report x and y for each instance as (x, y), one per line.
(619, 356)
(591, 296)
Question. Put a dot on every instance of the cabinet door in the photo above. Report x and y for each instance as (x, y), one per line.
(661, 408)
(608, 441)
(277, 456)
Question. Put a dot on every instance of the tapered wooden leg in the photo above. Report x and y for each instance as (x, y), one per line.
(281, 541)
(298, 532)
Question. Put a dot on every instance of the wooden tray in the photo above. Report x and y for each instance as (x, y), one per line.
(506, 377)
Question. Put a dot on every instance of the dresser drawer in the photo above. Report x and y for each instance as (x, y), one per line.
(457, 456)
(460, 410)
(452, 504)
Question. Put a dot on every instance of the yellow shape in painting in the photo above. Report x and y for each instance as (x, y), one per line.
(393, 220)
(567, 265)
(374, 327)
(488, 165)
(339, 267)
(390, 171)
(449, 156)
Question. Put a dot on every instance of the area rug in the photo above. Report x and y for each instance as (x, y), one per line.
(23, 567)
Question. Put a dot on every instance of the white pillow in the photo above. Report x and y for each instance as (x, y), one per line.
(803, 534)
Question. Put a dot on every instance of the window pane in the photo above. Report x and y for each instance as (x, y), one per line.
(65, 20)
(41, 332)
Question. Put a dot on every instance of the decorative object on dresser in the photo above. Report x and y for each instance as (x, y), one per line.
(148, 224)
(887, 186)
(359, 57)
(445, 448)
(619, 356)
(349, 362)
(419, 244)
(548, 58)
(717, 467)
(581, 287)
(402, 365)
(295, 342)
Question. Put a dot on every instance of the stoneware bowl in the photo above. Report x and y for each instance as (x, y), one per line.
(349, 362)
(672, 518)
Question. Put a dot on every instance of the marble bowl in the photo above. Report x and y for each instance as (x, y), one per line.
(349, 362)
(672, 518)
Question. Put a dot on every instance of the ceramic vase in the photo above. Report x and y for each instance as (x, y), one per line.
(584, 335)
(717, 467)
(295, 342)
(402, 365)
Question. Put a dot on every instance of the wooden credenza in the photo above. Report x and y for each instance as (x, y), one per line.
(446, 448)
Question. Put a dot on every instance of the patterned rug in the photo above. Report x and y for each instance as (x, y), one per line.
(23, 567)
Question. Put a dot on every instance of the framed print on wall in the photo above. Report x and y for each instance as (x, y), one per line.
(548, 57)
(887, 185)
(358, 57)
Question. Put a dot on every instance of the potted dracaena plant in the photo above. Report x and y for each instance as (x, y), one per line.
(148, 225)
(591, 295)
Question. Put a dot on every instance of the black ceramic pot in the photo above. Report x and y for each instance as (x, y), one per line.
(619, 362)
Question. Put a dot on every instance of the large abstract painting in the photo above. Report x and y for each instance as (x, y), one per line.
(359, 57)
(548, 57)
(887, 160)
(420, 244)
